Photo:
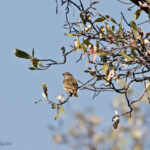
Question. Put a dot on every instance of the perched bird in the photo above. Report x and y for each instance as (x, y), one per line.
(70, 85)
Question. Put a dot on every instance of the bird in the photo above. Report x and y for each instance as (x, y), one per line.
(70, 84)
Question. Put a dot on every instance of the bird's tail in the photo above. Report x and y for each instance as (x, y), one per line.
(75, 94)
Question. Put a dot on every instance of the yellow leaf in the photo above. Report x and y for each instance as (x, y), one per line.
(102, 29)
(62, 109)
(70, 35)
(56, 116)
(105, 68)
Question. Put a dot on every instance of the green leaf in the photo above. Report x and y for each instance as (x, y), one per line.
(53, 106)
(86, 42)
(97, 44)
(137, 14)
(126, 56)
(63, 50)
(33, 53)
(113, 28)
(100, 19)
(101, 53)
(107, 16)
(22, 54)
(105, 68)
(111, 65)
(133, 25)
(133, 51)
(120, 26)
(82, 47)
(32, 68)
(87, 71)
(113, 20)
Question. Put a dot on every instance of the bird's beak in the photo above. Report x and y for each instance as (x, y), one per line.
(63, 74)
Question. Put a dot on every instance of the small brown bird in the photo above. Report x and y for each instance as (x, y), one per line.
(70, 85)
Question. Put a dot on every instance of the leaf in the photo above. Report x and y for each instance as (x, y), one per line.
(33, 53)
(70, 35)
(62, 109)
(40, 63)
(116, 119)
(53, 106)
(148, 34)
(134, 27)
(107, 16)
(100, 19)
(77, 43)
(56, 116)
(133, 52)
(87, 71)
(32, 68)
(101, 53)
(137, 14)
(97, 44)
(147, 84)
(43, 94)
(126, 56)
(82, 17)
(45, 88)
(105, 68)
(35, 62)
(86, 42)
(22, 54)
(102, 29)
(113, 20)
(63, 50)
(113, 28)
(82, 47)
(108, 29)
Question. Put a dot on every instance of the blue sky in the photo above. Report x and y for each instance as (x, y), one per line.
(27, 24)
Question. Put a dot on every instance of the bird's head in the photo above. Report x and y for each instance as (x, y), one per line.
(67, 75)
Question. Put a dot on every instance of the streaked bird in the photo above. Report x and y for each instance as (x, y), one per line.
(70, 85)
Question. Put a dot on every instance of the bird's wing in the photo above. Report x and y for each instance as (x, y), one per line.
(71, 82)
